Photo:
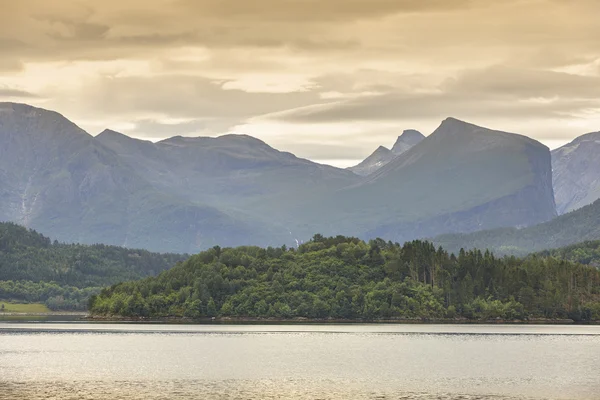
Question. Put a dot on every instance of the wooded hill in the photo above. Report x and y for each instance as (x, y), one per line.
(346, 278)
(35, 269)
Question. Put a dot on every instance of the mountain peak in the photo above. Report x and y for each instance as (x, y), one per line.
(411, 136)
(29, 111)
(227, 140)
(407, 140)
(110, 133)
(376, 160)
(24, 119)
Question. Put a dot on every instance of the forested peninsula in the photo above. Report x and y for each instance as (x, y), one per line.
(345, 278)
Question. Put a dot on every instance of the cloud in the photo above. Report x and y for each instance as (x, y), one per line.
(306, 71)
(7, 92)
(491, 92)
(156, 129)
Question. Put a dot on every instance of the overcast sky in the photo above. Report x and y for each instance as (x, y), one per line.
(328, 80)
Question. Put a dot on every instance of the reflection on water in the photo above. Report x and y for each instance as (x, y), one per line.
(133, 361)
(176, 390)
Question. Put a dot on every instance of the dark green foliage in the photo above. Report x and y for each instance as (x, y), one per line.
(347, 278)
(33, 268)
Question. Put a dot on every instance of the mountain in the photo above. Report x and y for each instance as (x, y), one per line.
(461, 178)
(574, 227)
(576, 173)
(57, 178)
(383, 155)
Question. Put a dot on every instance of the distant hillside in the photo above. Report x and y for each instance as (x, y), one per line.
(33, 268)
(346, 278)
(577, 226)
(576, 173)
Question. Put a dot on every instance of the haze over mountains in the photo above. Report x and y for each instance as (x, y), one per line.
(185, 194)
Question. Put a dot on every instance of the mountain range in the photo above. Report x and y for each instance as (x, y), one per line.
(186, 194)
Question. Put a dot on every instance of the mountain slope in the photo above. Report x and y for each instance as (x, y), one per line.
(461, 178)
(383, 155)
(57, 178)
(576, 173)
(574, 227)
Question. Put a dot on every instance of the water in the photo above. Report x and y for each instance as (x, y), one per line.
(152, 361)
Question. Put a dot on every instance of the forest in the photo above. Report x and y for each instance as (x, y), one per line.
(347, 278)
(33, 268)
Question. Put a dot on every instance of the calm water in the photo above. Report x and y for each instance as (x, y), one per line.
(131, 361)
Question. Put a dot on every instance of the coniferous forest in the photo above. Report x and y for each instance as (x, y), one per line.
(346, 278)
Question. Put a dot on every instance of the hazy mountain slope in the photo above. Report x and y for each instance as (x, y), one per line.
(577, 226)
(576, 173)
(58, 179)
(459, 179)
(383, 155)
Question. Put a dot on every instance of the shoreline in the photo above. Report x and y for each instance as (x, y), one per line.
(301, 320)
(45, 314)
(84, 316)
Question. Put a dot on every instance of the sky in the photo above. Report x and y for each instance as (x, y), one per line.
(329, 80)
